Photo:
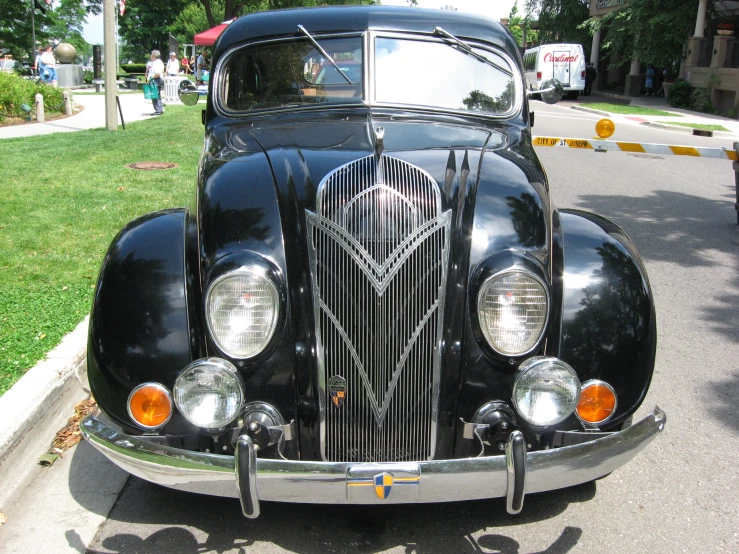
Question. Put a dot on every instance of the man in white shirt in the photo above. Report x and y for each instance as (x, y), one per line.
(173, 64)
(155, 74)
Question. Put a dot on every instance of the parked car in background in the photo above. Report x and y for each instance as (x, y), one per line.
(564, 62)
(371, 298)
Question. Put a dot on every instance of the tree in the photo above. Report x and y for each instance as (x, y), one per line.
(516, 23)
(653, 31)
(562, 21)
(146, 26)
(52, 26)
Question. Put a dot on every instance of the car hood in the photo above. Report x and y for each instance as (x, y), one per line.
(489, 178)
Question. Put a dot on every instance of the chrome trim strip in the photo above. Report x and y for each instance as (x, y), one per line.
(325, 482)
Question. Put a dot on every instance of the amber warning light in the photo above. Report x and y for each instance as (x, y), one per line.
(150, 405)
(605, 128)
(597, 402)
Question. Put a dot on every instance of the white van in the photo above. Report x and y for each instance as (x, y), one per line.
(564, 62)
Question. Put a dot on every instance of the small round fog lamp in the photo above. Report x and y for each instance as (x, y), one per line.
(209, 393)
(545, 391)
(605, 128)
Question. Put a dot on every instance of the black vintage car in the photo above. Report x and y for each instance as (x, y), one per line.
(371, 298)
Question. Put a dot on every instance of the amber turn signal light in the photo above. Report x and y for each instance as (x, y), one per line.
(150, 405)
(597, 402)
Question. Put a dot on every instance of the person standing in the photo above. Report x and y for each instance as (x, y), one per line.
(37, 65)
(49, 63)
(155, 76)
(173, 65)
(649, 82)
(199, 66)
(590, 74)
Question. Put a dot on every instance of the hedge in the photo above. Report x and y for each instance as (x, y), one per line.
(15, 90)
(134, 67)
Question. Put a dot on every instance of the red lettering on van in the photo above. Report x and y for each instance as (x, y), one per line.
(563, 58)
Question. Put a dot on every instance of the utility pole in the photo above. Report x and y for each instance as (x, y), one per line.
(111, 64)
(33, 30)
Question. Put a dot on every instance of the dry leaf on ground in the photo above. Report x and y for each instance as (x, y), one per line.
(70, 435)
(3, 519)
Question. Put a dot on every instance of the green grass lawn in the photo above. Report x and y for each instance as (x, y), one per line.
(64, 198)
(626, 110)
(701, 126)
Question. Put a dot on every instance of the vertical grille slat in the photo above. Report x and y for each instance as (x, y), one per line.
(379, 257)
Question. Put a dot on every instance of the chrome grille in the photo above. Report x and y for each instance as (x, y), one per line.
(379, 253)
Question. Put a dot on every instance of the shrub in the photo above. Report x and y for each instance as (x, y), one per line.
(15, 90)
(134, 67)
(702, 100)
(681, 95)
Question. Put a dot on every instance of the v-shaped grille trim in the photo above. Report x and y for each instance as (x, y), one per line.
(378, 258)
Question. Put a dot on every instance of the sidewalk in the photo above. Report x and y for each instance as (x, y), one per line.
(133, 106)
(657, 103)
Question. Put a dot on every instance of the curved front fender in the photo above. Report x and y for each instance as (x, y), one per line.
(609, 329)
(140, 322)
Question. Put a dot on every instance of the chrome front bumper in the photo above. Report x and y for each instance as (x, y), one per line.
(254, 479)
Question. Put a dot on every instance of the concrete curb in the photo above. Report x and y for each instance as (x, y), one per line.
(590, 110)
(677, 128)
(37, 406)
(688, 130)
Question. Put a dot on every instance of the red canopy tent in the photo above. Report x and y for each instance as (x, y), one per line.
(209, 37)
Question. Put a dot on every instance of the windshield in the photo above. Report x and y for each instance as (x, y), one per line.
(439, 75)
(407, 71)
(291, 74)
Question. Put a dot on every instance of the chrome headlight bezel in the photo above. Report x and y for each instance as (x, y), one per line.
(481, 293)
(258, 273)
(216, 364)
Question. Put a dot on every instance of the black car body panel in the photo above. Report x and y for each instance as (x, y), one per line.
(263, 179)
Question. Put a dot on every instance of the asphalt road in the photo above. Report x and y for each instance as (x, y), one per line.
(679, 495)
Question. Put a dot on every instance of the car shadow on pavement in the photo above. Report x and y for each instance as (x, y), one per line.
(687, 230)
(192, 523)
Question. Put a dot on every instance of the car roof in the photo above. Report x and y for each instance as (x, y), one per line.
(334, 19)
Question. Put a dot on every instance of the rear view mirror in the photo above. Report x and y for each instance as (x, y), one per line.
(188, 93)
(551, 91)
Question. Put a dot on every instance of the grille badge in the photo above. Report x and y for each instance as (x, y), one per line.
(337, 389)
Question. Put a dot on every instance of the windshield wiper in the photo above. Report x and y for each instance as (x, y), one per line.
(467, 49)
(324, 53)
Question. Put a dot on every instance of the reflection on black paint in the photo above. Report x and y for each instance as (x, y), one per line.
(611, 327)
(528, 219)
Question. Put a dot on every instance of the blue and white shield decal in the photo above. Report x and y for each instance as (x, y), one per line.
(383, 485)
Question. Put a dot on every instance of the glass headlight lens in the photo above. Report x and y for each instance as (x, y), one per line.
(242, 310)
(513, 308)
(546, 391)
(209, 393)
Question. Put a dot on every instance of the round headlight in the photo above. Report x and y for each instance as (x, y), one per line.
(546, 391)
(513, 308)
(209, 393)
(241, 311)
